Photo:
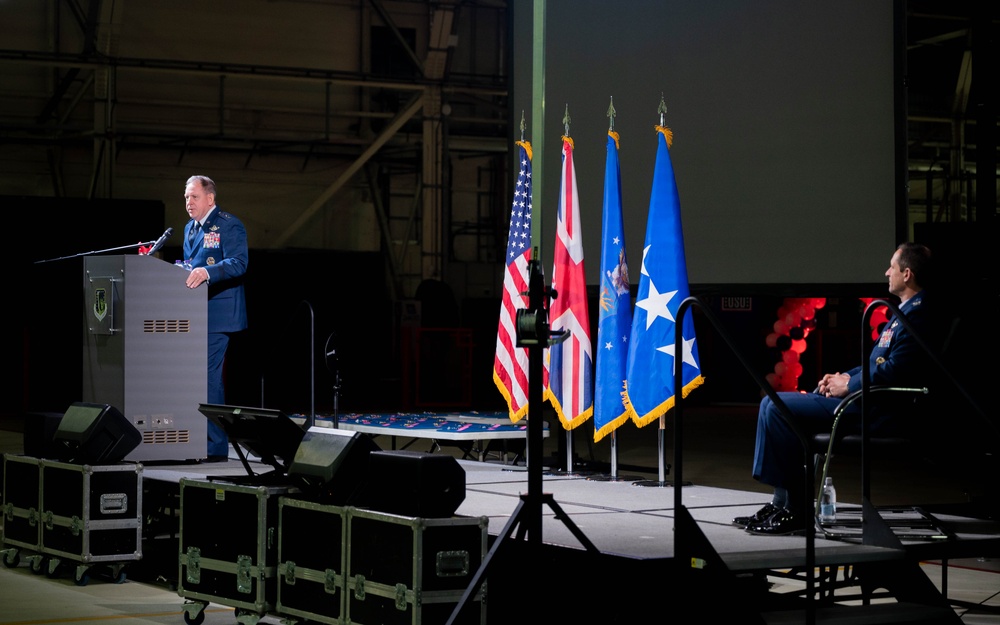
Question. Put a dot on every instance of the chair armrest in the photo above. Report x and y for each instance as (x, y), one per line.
(852, 397)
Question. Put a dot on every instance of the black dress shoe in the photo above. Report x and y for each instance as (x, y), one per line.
(758, 517)
(780, 523)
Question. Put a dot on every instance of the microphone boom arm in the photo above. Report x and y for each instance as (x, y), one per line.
(110, 249)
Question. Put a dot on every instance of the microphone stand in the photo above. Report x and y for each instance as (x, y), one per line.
(110, 249)
(332, 364)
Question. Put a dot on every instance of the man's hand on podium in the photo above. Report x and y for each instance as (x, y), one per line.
(196, 277)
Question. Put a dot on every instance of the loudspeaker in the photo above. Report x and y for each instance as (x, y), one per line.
(414, 484)
(332, 464)
(94, 434)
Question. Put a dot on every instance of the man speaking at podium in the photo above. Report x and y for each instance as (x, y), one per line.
(215, 246)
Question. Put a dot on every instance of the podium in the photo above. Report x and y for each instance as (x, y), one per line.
(145, 337)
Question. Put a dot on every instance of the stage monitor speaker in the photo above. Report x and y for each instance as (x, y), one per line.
(414, 484)
(332, 464)
(94, 434)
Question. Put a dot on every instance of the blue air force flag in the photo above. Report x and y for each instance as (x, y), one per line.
(614, 324)
(663, 285)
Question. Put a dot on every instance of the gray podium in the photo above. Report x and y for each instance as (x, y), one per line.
(145, 340)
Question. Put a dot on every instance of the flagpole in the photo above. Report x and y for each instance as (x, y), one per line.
(661, 445)
(614, 433)
(569, 433)
(615, 310)
(663, 284)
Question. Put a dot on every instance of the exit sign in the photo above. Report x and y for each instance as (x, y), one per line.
(737, 304)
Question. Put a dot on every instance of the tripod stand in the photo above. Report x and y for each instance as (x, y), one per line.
(533, 333)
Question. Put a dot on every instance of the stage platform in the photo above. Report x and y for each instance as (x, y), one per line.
(633, 531)
(639, 535)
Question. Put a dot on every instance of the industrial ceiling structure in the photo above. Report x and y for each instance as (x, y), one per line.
(397, 109)
(951, 118)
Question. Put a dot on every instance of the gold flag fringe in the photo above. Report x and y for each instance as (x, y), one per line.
(526, 145)
(610, 427)
(567, 423)
(668, 134)
(514, 416)
(660, 410)
(614, 135)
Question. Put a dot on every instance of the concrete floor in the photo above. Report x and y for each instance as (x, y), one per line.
(718, 452)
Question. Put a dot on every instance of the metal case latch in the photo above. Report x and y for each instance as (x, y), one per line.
(244, 574)
(330, 582)
(193, 565)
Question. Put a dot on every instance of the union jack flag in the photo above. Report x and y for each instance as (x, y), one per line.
(570, 384)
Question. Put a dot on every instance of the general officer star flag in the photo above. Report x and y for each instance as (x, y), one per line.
(614, 324)
(663, 285)
(510, 363)
(570, 382)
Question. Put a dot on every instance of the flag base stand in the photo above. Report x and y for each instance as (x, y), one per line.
(574, 473)
(613, 478)
(658, 483)
(579, 468)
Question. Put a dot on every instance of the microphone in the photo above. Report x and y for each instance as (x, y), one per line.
(159, 242)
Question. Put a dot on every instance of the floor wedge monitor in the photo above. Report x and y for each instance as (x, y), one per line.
(332, 464)
(94, 434)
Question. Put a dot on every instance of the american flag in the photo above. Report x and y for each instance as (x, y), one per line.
(510, 364)
(571, 362)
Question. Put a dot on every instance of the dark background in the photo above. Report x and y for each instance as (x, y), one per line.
(305, 303)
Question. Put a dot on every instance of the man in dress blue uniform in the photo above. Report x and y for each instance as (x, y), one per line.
(215, 244)
(896, 360)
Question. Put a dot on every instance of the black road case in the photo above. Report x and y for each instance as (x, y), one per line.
(86, 514)
(228, 544)
(412, 570)
(22, 531)
(91, 514)
(311, 560)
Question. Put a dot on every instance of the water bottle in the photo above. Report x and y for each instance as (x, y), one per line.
(828, 502)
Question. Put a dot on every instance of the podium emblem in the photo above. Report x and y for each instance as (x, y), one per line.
(100, 304)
